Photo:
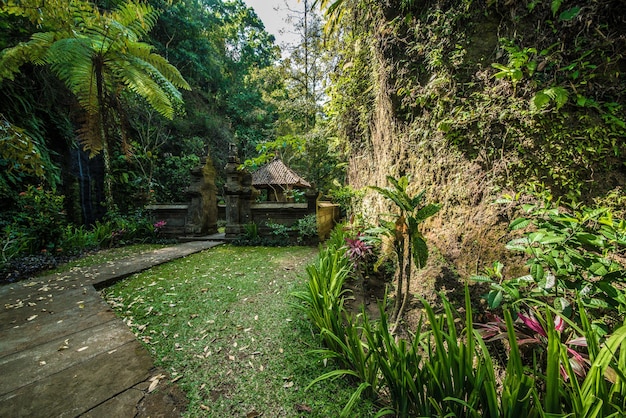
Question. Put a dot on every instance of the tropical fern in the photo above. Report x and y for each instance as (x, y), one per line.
(543, 98)
(98, 56)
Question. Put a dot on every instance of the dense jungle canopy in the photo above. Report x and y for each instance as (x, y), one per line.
(113, 101)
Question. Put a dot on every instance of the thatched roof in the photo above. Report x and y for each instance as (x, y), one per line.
(277, 173)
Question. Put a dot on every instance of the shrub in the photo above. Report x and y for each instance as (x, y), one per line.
(39, 221)
(572, 251)
(306, 229)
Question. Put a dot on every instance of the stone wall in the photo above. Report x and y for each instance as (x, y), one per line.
(327, 217)
(174, 215)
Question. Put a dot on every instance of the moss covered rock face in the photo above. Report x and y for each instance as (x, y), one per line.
(478, 98)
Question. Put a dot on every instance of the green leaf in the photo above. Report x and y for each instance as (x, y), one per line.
(494, 299)
(539, 101)
(537, 271)
(598, 269)
(420, 252)
(518, 244)
(427, 211)
(519, 223)
(481, 279)
(555, 6)
(569, 14)
(536, 237)
(562, 305)
(590, 239)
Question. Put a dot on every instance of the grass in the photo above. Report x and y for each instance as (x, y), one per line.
(224, 323)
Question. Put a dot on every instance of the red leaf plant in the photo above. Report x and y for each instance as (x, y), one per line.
(531, 331)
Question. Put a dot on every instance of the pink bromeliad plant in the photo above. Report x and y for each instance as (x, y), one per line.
(358, 249)
(531, 330)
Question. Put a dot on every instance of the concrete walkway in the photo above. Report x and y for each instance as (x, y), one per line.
(64, 353)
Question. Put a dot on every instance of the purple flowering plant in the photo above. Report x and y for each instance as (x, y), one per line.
(159, 225)
(531, 330)
(358, 249)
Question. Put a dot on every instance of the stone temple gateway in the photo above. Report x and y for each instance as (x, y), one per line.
(198, 217)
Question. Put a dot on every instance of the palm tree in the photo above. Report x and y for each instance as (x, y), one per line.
(99, 57)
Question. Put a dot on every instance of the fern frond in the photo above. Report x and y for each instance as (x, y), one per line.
(132, 74)
(543, 98)
(89, 134)
(137, 17)
(72, 61)
(160, 64)
(12, 59)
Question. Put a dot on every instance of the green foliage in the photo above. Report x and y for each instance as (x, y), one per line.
(346, 197)
(279, 231)
(323, 300)
(252, 231)
(13, 242)
(541, 100)
(172, 177)
(572, 252)
(408, 242)
(438, 373)
(18, 152)
(124, 229)
(444, 372)
(40, 219)
(306, 228)
(520, 62)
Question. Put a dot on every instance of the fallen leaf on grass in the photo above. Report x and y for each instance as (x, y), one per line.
(204, 407)
(253, 414)
(153, 385)
(288, 385)
(303, 408)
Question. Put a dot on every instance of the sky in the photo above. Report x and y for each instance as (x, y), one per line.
(273, 14)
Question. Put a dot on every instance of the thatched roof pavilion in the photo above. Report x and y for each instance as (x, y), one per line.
(278, 178)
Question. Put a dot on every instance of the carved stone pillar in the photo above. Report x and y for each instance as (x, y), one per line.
(202, 192)
(193, 226)
(239, 195)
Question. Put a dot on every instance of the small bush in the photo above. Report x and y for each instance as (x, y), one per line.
(39, 220)
(306, 229)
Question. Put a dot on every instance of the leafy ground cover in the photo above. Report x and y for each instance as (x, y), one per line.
(223, 324)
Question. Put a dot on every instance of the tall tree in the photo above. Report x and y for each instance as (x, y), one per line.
(99, 57)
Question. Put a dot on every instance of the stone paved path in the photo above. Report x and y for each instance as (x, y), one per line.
(64, 353)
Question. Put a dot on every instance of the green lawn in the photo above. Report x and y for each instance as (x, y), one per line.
(223, 322)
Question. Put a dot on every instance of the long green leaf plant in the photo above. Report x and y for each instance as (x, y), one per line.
(408, 242)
